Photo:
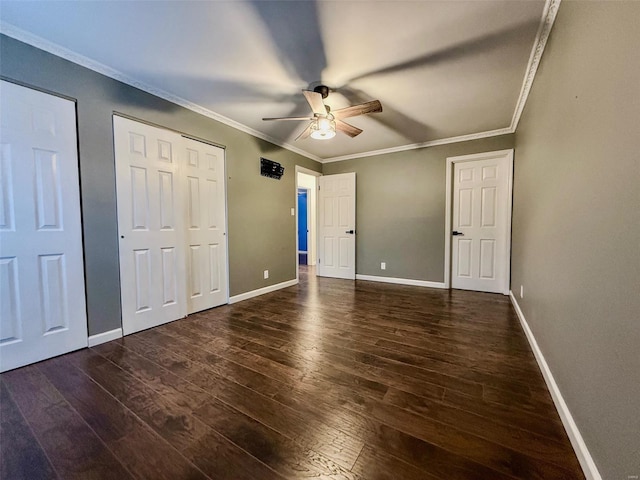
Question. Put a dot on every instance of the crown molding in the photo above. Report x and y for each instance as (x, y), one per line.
(547, 20)
(62, 52)
(415, 146)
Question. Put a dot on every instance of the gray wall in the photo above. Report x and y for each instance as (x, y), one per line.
(400, 208)
(261, 228)
(576, 223)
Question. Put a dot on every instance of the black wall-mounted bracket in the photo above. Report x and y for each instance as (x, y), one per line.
(271, 169)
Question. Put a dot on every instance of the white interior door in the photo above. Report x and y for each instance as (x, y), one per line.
(42, 296)
(337, 226)
(152, 264)
(205, 217)
(481, 223)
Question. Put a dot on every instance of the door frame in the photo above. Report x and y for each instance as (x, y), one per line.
(448, 239)
(313, 173)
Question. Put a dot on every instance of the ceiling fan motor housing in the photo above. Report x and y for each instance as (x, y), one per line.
(322, 90)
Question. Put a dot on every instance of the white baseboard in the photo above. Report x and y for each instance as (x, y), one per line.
(262, 291)
(584, 457)
(105, 337)
(401, 281)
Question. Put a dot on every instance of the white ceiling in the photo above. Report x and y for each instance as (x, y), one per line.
(441, 69)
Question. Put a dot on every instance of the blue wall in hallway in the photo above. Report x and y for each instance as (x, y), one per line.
(302, 220)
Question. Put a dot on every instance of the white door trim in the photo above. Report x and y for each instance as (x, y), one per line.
(451, 161)
(313, 173)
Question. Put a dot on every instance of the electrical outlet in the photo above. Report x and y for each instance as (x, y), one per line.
(383, 265)
(293, 212)
(521, 291)
(266, 274)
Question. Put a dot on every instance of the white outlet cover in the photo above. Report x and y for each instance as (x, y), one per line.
(521, 291)
(383, 265)
(293, 212)
(266, 274)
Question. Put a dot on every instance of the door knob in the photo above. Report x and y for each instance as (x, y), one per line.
(457, 233)
(351, 232)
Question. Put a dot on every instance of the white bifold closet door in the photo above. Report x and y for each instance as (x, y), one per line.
(171, 222)
(152, 265)
(42, 295)
(206, 224)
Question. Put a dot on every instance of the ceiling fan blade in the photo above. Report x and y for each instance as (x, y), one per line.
(315, 102)
(305, 133)
(362, 109)
(288, 118)
(348, 128)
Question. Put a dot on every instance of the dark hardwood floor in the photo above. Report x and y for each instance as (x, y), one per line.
(328, 379)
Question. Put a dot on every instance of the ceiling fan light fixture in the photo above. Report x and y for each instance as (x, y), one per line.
(324, 123)
(323, 129)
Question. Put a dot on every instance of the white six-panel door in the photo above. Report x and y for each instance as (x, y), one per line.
(172, 225)
(42, 296)
(481, 223)
(152, 264)
(337, 226)
(205, 226)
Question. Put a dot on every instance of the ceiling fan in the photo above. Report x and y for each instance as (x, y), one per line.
(324, 123)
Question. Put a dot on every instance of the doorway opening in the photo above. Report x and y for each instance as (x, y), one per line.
(306, 219)
(303, 226)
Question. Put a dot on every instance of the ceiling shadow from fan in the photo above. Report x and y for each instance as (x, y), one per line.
(264, 146)
(295, 30)
(393, 119)
(127, 95)
(522, 32)
(220, 91)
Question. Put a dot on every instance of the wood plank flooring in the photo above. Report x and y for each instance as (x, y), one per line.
(330, 379)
